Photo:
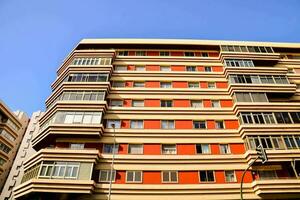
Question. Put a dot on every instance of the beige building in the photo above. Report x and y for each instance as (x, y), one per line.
(145, 119)
(12, 129)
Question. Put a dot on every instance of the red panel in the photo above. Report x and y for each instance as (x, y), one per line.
(130, 67)
(247, 178)
(203, 84)
(125, 123)
(62, 144)
(186, 149)
(226, 103)
(200, 68)
(220, 176)
(178, 68)
(127, 102)
(152, 84)
(152, 103)
(151, 124)
(179, 84)
(128, 84)
(152, 53)
(183, 124)
(213, 54)
(120, 177)
(151, 177)
(152, 68)
(221, 84)
(131, 53)
(123, 148)
(237, 148)
(188, 177)
(152, 149)
(177, 53)
(217, 68)
(231, 124)
(210, 124)
(206, 103)
(215, 149)
(181, 103)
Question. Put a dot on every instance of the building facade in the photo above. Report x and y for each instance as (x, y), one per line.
(12, 129)
(169, 119)
(25, 152)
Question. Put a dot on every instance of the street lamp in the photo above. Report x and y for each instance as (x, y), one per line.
(112, 162)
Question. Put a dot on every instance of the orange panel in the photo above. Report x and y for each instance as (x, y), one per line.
(210, 124)
(152, 84)
(231, 124)
(215, 149)
(152, 68)
(219, 176)
(237, 148)
(221, 84)
(120, 177)
(151, 177)
(200, 68)
(128, 84)
(217, 68)
(177, 68)
(127, 102)
(206, 103)
(183, 124)
(152, 103)
(188, 177)
(186, 149)
(226, 103)
(123, 148)
(176, 53)
(152, 149)
(181, 103)
(151, 124)
(131, 53)
(247, 178)
(203, 84)
(125, 123)
(213, 54)
(130, 67)
(179, 84)
(152, 53)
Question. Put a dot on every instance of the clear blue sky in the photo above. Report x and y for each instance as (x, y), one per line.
(36, 35)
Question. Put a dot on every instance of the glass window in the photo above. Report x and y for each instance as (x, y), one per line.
(269, 118)
(207, 176)
(242, 97)
(118, 84)
(117, 123)
(202, 149)
(278, 142)
(165, 84)
(230, 176)
(224, 149)
(77, 146)
(168, 148)
(266, 142)
(140, 53)
(290, 142)
(105, 176)
(164, 53)
(139, 84)
(246, 118)
(259, 97)
(139, 68)
(211, 85)
(123, 53)
(169, 176)
(166, 103)
(191, 68)
(199, 124)
(120, 68)
(258, 118)
(167, 124)
(267, 174)
(208, 69)
(219, 125)
(116, 103)
(196, 103)
(165, 68)
(136, 124)
(193, 84)
(189, 54)
(135, 149)
(138, 103)
(282, 117)
(215, 103)
(133, 176)
(295, 117)
(204, 54)
(109, 148)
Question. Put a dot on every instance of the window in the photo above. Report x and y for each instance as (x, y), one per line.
(258, 118)
(138, 103)
(63, 117)
(269, 118)
(139, 84)
(267, 174)
(7, 135)
(204, 54)
(266, 142)
(91, 61)
(65, 170)
(278, 142)
(191, 68)
(259, 97)
(118, 84)
(208, 69)
(167, 124)
(196, 103)
(109, 148)
(164, 53)
(165, 84)
(80, 77)
(123, 53)
(116, 103)
(282, 117)
(230, 176)
(166, 103)
(246, 118)
(169, 177)
(239, 63)
(254, 49)
(215, 103)
(81, 96)
(140, 53)
(295, 117)
(2, 161)
(168, 149)
(211, 85)
(193, 84)
(76, 146)
(4, 148)
(202, 149)
(219, 125)
(133, 176)
(290, 142)
(106, 175)
(199, 124)
(243, 97)
(135, 149)
(224, 149)
(207, 176)
(110, 122)
(136, 124)
(189, 54)
(139, 68)
(120, 68)
(165, 68)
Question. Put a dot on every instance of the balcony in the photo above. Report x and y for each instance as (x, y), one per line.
(283, 155)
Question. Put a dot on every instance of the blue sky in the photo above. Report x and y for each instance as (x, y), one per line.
(35, 35)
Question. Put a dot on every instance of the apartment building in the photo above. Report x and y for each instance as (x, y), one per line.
(12, 129)
(169, 119)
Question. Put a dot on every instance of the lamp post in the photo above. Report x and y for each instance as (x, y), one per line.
(112, 162)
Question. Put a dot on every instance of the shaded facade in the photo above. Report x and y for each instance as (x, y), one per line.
(177, 118)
